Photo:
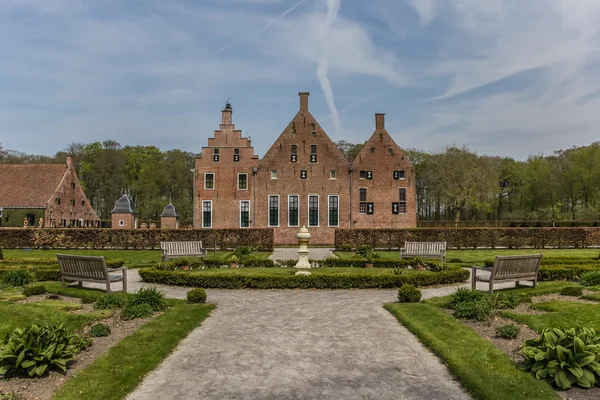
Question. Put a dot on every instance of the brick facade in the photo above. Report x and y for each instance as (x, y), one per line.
(124, 221)
(303, 180)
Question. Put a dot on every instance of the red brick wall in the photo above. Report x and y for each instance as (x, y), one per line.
(74, 208)
(129, 221)
(225, 196)
(382, 156)
(169, 223)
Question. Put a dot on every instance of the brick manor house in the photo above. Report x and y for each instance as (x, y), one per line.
(303, 180)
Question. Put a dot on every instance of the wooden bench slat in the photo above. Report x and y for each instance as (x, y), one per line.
(510, 269)
(424, 250)
(182, 249)
(89, 269)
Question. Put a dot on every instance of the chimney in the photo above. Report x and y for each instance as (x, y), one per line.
(226, 114)
(303, 101)
(379, 121)
(69, 161)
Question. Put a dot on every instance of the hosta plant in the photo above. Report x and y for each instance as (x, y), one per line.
(36, 349)
(564, 357)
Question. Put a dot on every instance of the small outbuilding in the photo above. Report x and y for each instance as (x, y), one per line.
(169, 218)
(124, 215)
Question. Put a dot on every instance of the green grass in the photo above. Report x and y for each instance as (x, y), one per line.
(292, 271)
(483, 370)
(131, 257)
(541, 289)
(116, 373)
(478, 256)
(18, 315)
(560, 314)
(89, 293)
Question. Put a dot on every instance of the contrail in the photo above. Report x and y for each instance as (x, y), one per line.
(267, 25)
(333, 7)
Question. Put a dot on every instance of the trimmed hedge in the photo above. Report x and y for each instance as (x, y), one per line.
(465, 238)
(564, 272)
(314, 281)
(47, 271)
(92, 238)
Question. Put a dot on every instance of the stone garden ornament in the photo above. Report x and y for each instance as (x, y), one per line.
(303, 265)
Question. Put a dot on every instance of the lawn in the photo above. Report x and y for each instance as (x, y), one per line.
(478, 256)
(131, 257)
(485, 372)
(560, 314)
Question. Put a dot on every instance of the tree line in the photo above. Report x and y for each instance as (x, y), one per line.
(453, 184)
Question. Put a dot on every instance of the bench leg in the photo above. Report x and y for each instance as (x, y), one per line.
(517, 284)
(124, 281)
(473, 282)
(80, 283)
(491, 286)
(63, 283)
(107, 287)
(535, 282)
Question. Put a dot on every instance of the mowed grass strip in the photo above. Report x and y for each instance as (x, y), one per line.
(479, 256)
(560, 314)
(115, 374)
(484, 371)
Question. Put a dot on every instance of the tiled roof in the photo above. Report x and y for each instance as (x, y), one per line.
(29, 185)
(124, 206)
(169, 211)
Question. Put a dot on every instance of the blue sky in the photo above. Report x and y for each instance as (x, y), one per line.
(505, 77)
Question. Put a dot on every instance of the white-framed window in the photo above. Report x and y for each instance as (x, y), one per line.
(333, 215)
(274, 210)
(273, 174)
(209, 181)
(313, 210)
(242, 181)
(244, 214)
(362, 205)
(121, 222)
(207, 214)
(293, 210)
(333, 174)
(402, 202)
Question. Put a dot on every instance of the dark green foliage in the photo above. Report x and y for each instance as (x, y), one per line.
(464, 295)
(488, 263)
(150, 296)
(438, 267)
(36, 349)
(398, 271)
(92, 238)
(565, 272)
(253, 262)
(109, 302)
(409, 294)
(197, 295)
(18, 277)
(87, 299)
(504, 300)
(133, 311)
(377, 263)
(32, 290)
(480, 310)
(590, 278)
(243, 251)
(81, 342)
(509, 331)
(564, 357)
(346, 247)
(575, 291)
(363, 249)
(314, 281)
(99, 330)
(286, 263)
(455, 260)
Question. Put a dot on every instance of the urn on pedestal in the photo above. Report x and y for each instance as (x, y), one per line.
(303, 265)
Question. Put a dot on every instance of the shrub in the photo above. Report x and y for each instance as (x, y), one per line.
(398, 271)
(133, 311)
(287, 263)
(346, 247)
(504, 300)
(81, 342)
(150, 296)
(455, 260)
(197, 295)
(165, 266)
(438, 267)
(479, 310)
(87, 299)
(253, 262)
(509, 331)
(409, 294)
(590, 278)
(464, 295)
(574, 291)
(314, 281)
(564, 357)
(109, 302)
(363, 249)
(99, 330)
(32, 290)
(370, 257)
(17, 277)
(233, 259)
(36, 349)
(243, 251)
(489, 263)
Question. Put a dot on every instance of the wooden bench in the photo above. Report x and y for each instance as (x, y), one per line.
(181, 249)
(509, 269)
(424, 250)
(89, 269)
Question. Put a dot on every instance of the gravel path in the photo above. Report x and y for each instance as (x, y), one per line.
(291, 253)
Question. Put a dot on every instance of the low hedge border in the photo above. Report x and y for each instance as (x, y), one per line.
(47, 272)
(565, 272)
(251, 262)
(314, 281)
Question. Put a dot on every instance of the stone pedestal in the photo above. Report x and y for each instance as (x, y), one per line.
(303, 265)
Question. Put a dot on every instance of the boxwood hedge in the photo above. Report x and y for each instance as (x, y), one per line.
(315, 281)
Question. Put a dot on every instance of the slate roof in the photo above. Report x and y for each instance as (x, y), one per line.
(29, 185)
(124, 206)
(169, 211)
